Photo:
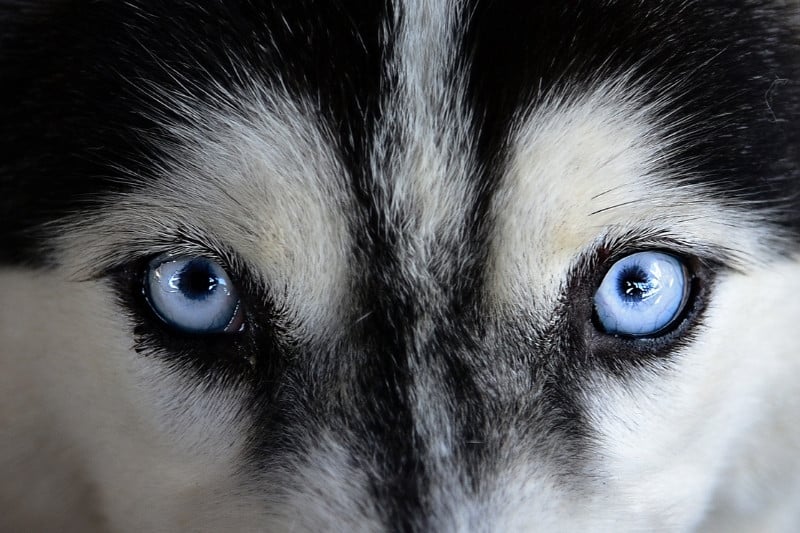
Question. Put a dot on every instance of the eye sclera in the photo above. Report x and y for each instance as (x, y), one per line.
(193, 294)
(642, 295)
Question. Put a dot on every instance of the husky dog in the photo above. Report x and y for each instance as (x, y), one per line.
(412, 265)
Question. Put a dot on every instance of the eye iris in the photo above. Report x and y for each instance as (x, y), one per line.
(642, 294)
(194, 295)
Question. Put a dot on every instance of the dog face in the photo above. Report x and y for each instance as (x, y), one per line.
(400, 266)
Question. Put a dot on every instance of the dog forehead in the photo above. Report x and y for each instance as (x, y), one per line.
(387, 78)
(269, 182)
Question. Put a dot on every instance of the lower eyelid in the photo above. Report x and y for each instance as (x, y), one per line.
(237, 323)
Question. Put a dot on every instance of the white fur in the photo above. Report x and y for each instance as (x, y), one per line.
(426, 181)
(143, 452)
(711, 432)
(122, 436)
(584, 169)
(259, 178)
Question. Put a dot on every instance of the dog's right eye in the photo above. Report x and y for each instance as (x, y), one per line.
(642, 294)
(193, 294)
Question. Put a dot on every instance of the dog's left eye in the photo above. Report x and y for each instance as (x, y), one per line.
(194, 295)
(642, 294)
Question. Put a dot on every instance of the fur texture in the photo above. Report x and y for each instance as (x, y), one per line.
(417, 202)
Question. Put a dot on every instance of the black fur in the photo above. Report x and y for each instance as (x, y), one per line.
(75, 105)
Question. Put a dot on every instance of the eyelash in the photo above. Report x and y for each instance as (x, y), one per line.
(617, 353)
(217, 354)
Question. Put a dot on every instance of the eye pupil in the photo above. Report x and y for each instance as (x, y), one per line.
(196, 281)
(636, 285)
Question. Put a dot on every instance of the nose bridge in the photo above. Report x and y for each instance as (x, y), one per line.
(422, 202)
(405, 391)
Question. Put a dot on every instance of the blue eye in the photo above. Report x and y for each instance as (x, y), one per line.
(642, 294)
(193, 294)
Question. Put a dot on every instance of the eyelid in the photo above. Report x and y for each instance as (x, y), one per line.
(613, 246)
(130, 261)
(111, 256)
(126, 278)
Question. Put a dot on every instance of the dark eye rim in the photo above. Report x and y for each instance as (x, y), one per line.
(690, 266)
(616, 353)
(209, 354)
(130, 282)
